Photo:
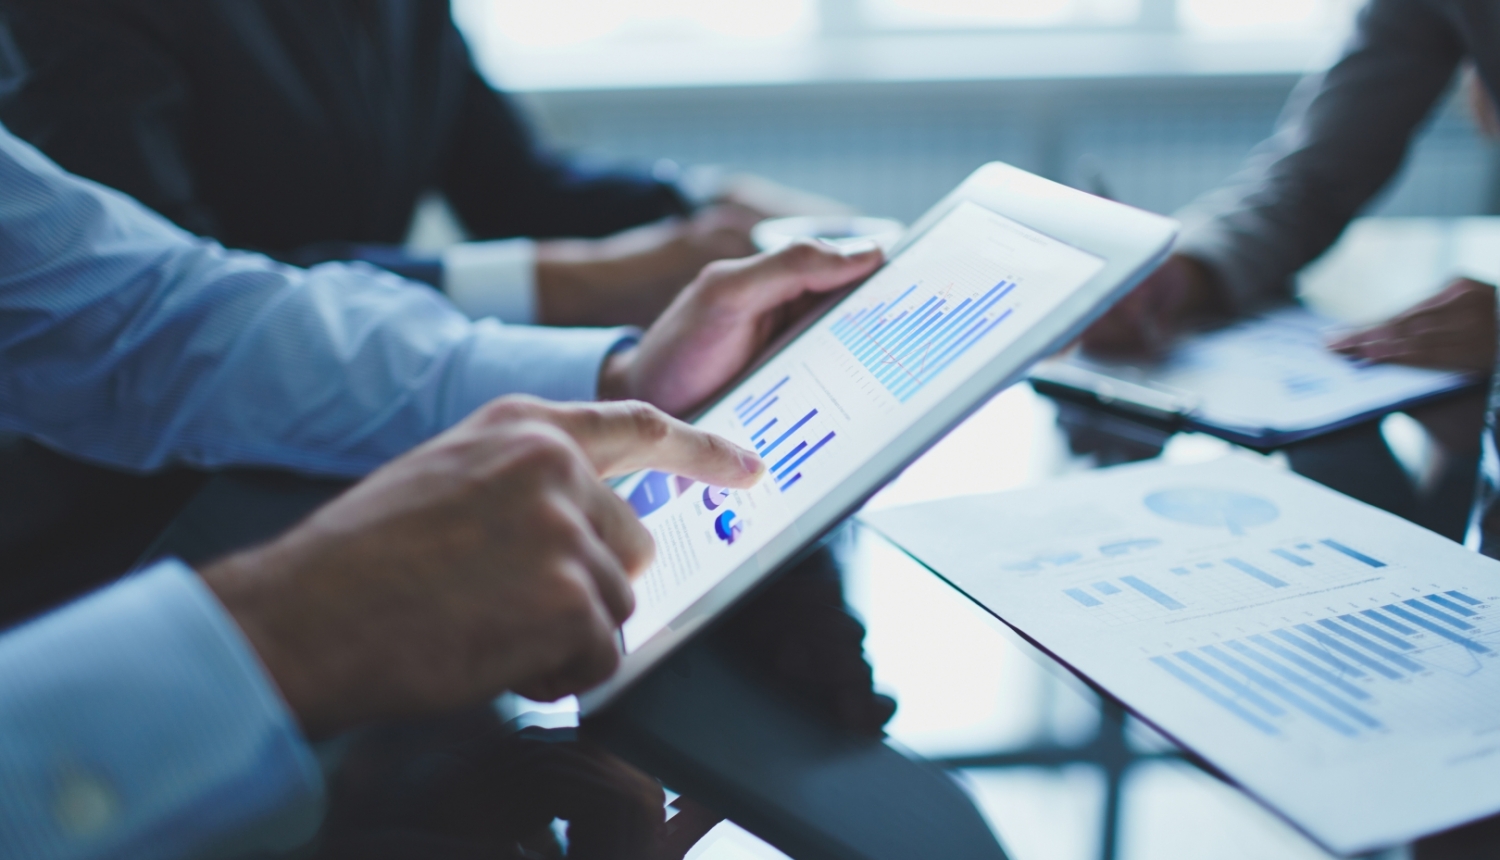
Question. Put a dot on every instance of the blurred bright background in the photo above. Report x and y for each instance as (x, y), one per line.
(532, 30)
(889, 103)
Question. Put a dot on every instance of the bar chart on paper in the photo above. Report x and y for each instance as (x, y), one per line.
(1336, 662)
(785, 430)
(1246, 572)
(1331, 670)
(907, 341)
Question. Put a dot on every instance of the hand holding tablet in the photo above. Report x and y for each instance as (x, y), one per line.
(723, 319)
(1002, 272)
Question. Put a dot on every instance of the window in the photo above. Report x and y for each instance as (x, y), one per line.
(969, 14)
(587, 43)
(1266, 17)
(563, 23)
(556, 23)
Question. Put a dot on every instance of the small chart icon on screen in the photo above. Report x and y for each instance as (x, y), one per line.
(728, 527)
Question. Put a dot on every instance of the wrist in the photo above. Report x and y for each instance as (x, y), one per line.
(244, 584)
(615, 375)
(564, 271)
(1203, 292)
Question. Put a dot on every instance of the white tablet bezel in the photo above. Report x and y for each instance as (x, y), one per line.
(1129, 241)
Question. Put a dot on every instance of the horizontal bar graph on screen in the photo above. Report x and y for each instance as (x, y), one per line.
(1330, 670)
(785, 436)
(908, 341)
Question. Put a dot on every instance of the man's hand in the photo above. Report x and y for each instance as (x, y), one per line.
(1145, 321)
(1453, 330)
(628, 278)
(490, 558)
(768, 199)
(724, 319)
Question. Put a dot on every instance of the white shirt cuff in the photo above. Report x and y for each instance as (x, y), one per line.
(551, 363)
(138, 722)
(493, 279)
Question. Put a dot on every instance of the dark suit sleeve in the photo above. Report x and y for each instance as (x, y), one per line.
(503, 184)
(1341, 138)
(105, 99)
(106, 102)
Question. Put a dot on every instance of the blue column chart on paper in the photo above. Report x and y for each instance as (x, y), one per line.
(1337, 661)
(846, 388)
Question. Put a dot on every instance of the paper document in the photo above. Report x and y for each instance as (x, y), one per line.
(1334, 660)
(1265, 377)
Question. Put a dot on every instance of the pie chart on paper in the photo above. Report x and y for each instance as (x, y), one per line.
(1212, 508)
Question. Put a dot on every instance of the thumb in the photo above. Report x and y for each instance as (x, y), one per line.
(627, 436)
(1355, 341)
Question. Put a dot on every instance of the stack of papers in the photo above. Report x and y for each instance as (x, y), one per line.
(1335, 661)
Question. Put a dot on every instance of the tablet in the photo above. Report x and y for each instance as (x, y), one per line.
(1005, 270)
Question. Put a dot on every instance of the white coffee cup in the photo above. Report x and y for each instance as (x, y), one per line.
(842, 231)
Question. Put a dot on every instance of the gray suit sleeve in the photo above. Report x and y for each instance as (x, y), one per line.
(1341, 137)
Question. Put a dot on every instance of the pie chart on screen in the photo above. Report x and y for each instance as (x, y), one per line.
(715, 497)
(727, 527)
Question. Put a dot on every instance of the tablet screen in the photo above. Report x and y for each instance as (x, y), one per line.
(843, 390)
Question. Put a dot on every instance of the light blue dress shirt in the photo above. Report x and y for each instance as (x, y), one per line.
(127, 342)
(137, 722)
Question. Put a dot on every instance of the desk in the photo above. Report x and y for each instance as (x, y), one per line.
(1059, 774)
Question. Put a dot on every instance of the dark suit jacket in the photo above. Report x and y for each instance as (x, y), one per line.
(1341, 138)
(297, 127)
(303, 128)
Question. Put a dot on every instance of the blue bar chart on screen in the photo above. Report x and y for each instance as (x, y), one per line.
(1302, 642)
(854, 380)
(782, 437)
(907, 341)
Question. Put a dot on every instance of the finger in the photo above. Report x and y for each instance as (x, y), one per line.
(612, 810)
(1122, 330)
(1115, 326)
(1409, 351)
(1452, 300)
(627, 436)
(617, 525)
(1411, 354)
(769, 280)
(583, 670)
(1349, 343)
(589, 646)
(590, 784)
(1460, 291)
(1134, 341)
(1359, 341)
(603, 561)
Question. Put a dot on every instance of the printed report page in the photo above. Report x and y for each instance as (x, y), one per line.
(844, 389)
(1339, 662)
